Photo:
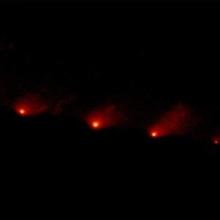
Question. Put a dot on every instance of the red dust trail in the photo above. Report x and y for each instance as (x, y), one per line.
(30, 105)
(104, 117)
(174, 122)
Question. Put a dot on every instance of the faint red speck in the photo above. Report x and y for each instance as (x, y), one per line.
(216, 141)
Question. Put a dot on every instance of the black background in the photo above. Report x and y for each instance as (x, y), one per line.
(165, 50)
(147, 54)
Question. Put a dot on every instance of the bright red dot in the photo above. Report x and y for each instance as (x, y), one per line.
(22, 112)
(96, 124)
(154, 134)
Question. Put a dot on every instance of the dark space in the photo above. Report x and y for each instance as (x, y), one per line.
(109, 88)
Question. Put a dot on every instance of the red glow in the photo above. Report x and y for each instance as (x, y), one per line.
(216, 140)
(22, 112)
(154, 134)
(104, 117)
(29, 105)
(96, 124)
(174, 122)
